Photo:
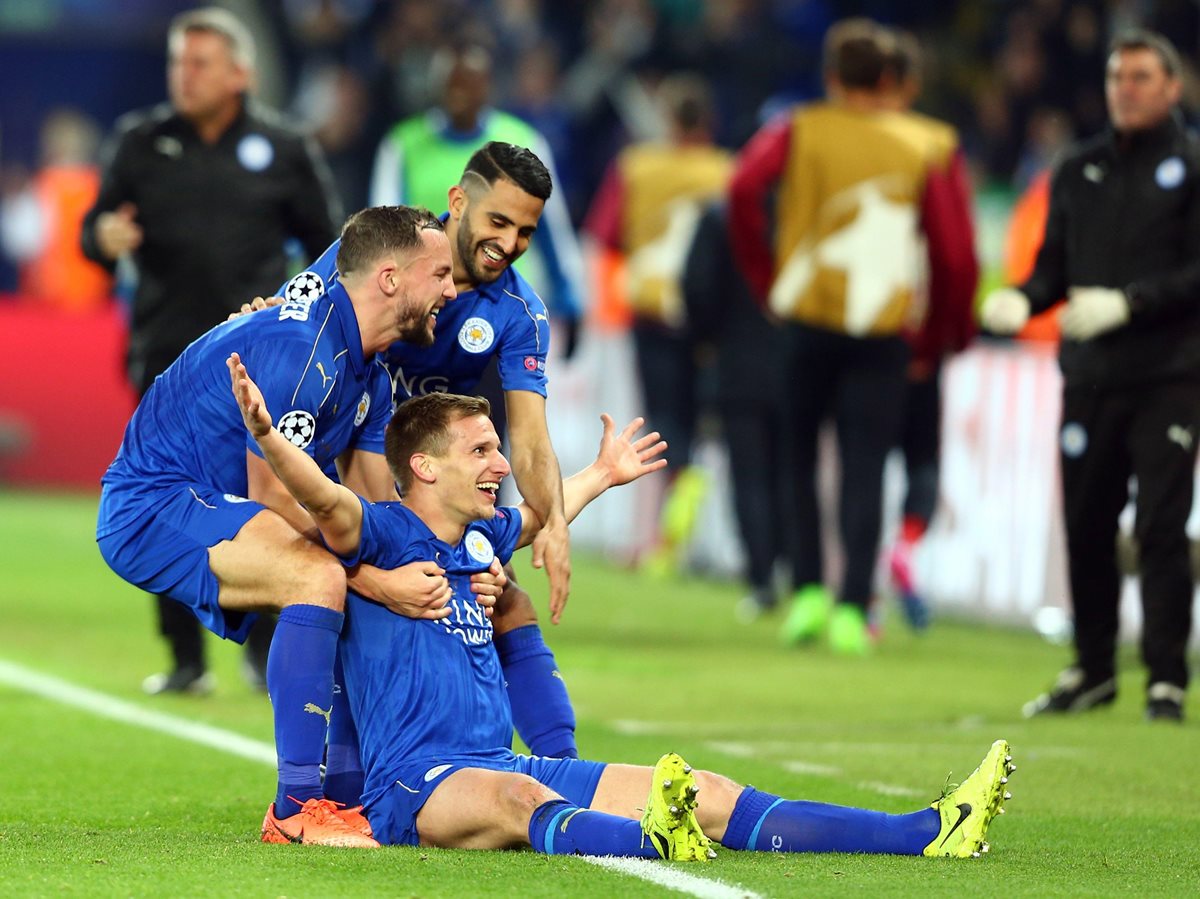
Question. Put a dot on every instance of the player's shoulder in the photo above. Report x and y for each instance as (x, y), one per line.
(486, 538)
(297, 320)
(517, 295)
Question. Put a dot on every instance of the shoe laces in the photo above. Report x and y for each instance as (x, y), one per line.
(324, 810)
(948, 787)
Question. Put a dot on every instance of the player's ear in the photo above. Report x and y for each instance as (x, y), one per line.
(422, 467)
(388, 278)
(457, 202)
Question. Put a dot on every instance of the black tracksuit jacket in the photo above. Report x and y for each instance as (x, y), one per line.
(215, 220)
(1125, 213)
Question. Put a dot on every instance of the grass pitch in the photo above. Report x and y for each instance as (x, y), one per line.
(1105, 804)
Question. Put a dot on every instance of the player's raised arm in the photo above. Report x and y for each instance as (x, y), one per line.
(336, 510)
(620, 460)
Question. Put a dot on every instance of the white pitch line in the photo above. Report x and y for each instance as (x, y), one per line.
(97, 703)
(119, 710)
(670, 877)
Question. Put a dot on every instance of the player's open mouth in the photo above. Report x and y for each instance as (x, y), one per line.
(494, 256)
(489, 487)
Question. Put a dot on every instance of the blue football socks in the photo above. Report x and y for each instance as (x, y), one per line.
(343, 765)
(768, 823)
(300, 684)
(560, 828)
(541, 708)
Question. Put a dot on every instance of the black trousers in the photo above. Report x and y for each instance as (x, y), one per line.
(861, 383)
(1148, 432)
(667, 370)
(756, 436)
(920, 441)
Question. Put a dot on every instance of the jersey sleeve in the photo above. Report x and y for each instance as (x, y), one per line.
(314, 281)
(369, 437)
(757, 171)
(388, 536)
(525, 342)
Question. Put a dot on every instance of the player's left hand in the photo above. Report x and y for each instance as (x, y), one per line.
(621, 458)
(1092, 311)
(255, 305)
(488, 585)
(249, 398)
(552, 551)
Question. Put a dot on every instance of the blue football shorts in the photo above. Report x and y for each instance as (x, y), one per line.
(163, 547)
(393, 815)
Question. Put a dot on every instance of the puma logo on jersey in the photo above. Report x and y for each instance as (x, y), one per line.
(325, 379)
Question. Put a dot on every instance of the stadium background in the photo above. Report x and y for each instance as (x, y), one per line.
(1018, 79)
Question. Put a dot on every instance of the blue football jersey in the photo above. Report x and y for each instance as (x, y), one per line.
(307, 358)
(505, 319)
(424, 689)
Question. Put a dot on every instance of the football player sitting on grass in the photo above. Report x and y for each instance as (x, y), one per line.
(428, 697)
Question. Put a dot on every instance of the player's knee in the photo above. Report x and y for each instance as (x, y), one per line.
(318, 579)
(514, 609)
(717, 797)
(520, 796)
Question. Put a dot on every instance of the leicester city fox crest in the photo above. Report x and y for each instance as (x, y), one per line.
(479, 548)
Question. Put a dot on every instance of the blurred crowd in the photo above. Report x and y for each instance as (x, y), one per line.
(1018, 80)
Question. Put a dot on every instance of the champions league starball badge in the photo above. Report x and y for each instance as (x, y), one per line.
(297, 427)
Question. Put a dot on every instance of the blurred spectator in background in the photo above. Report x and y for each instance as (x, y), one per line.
(1049, 138)
(752, 391)
(944, 313)
(841, 266)
(420, 156)
(41, 218)
(1122, 244)
(647, 208)
(202, 193)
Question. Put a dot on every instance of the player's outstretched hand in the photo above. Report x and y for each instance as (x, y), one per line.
(624, 459)
(254, 305)
(249, 398)
(488, 585)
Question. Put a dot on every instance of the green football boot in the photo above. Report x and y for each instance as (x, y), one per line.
(968, 809)
(848, 635)
(809, 615)
(669, 821)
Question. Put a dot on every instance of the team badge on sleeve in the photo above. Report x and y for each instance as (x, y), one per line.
(364, 406)
(297, 427)
(479, 548)
(476, 335)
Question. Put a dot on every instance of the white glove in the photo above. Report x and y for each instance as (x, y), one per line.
(1005, 311)
(1092, 311)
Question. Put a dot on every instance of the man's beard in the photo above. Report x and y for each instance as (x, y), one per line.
(417, 332)
(466, 252)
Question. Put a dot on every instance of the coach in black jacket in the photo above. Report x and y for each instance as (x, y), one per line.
(1122, 245)
(201, 194)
